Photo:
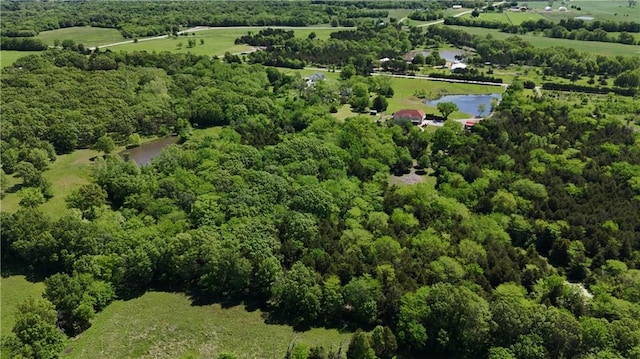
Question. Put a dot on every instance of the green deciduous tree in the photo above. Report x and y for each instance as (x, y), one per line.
(35, 335)
(446, 108)
(360, 347)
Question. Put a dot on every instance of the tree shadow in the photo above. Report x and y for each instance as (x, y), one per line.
(11, 267)
(15, 188)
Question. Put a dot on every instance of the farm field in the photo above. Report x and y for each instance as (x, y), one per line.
(167, 325)
(8, 57)
(508, 17)
(88, 36)
(616, 10)
(594, 47)
(14, 290)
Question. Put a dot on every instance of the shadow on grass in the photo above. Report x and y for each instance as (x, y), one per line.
(11, 267)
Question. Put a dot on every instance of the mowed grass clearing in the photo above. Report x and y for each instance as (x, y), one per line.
(8, 57)
(593, 47)
(215, 41)
(14, 290)
(87, 36)
(166, 325)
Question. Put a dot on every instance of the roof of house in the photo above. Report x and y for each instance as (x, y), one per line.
(409, 114)
(316, 77)
(458, 65)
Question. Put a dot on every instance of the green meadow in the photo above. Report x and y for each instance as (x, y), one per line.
(88, 36)
(615, 10)
(14, 290)
(509, 17)
(8, 57)
(210, 42)
(168, 325)
(68, 172)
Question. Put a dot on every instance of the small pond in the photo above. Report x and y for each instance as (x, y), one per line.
(449, 55)
(468, 103)
(143, 154)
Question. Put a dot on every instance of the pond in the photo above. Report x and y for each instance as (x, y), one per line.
(468, 103)
(143, 154)
(449, 55)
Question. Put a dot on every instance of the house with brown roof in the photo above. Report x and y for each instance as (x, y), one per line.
(415, 116)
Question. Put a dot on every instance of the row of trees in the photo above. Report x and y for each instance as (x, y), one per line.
(555, 31)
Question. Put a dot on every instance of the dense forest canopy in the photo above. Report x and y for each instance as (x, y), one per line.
(293, 210)
(520, 240)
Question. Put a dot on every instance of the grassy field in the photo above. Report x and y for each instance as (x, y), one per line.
(67, 173)
(88, 36)
(167, 325)
(8, 57)
(615, 10)
(14, 290)
(508, 17)
(216, 42)
(599, 48)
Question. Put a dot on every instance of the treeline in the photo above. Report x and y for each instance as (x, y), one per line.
(293, 210)
(266, 37)
(426, 15)
(555, 61)
(152, 18)
(362, 47)
(590, 89)
(22, 44)
(551, 29)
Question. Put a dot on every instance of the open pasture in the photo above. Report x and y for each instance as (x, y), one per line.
(509, 17)
(210, 42)
(88, 36)
(616, 10)
(168, 325)
(8, 57)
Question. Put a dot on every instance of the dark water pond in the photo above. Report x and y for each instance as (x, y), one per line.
(143, 154)
(468, 103)
(449, 55)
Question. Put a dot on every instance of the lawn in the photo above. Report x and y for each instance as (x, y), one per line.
(8, 57)
(167, 325)
(88, 36)
(14, 290)
(599, 48)
(216, 41)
